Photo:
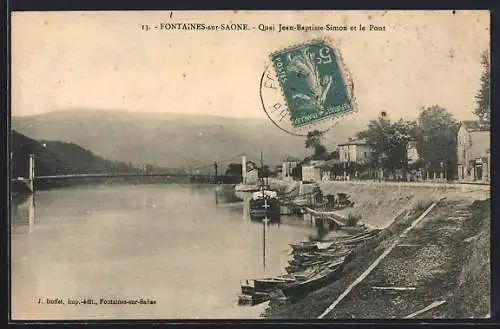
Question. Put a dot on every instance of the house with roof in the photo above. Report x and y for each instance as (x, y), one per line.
(311, 171)
(329, 170)
(412, 152)
(252, 173)
(287, 169)
(473, 152)
(354, 151)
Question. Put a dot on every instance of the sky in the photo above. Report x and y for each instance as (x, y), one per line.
(104, 60)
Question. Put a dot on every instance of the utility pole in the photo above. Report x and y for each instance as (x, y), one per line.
(264, 226)
(266, 206)
(244, 169)
(215, 169)
(31, 172)
(261, 176)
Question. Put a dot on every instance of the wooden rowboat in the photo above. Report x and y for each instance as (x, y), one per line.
(323, 277)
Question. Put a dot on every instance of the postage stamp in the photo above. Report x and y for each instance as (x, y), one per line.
(221, 169)
(314, 83)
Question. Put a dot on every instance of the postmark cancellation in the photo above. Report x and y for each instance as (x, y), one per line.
(307, 86)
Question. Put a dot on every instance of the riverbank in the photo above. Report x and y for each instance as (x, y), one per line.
(378, 204)
(444, 258)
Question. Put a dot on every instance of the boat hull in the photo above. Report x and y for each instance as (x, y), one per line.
(305, 247)
(253, 299)
(305, 287)
(246, 188)
(259, 211)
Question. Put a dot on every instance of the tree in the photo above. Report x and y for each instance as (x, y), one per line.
(264, 171)
(376, 136)
(483, 100)
(234, 169)
(388, 141)
(314, 142)
(330, 156)
(320, 152)
(297, 172)
(291, 159)
(334, 155)
(437, 139)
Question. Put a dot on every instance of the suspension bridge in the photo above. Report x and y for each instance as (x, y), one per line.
(192, 174)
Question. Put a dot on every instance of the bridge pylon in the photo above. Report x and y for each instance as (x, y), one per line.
(31, 173)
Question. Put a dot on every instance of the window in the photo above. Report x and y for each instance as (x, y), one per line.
(464, 153)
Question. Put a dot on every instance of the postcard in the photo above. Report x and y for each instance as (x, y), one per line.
(302, 165)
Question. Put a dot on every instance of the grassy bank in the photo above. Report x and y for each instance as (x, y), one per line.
(471, 296)
(379, 204)
(446, 258)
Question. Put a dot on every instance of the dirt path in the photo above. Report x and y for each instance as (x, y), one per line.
(427, 262)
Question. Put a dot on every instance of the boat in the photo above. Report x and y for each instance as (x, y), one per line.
(313, 246)
(300, 266)
(302, 201)
(293, 269)
(324, 276)
(245, 299)
(252, 286)
(247, 287)
(246, 187)
(270, 284)
(314, 257)
(253, 299)
(305, 256)
(263, 194)
(308, 272)
(304, 246)
(306, 195)
(330, 215)
(306, 263)
(265, 203)
(356, 239)
(324, 245)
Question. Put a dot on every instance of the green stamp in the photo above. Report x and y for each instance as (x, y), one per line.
(313, 82)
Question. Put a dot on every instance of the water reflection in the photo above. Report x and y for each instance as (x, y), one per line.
(225, 195)
(22, 213)
(181, 245)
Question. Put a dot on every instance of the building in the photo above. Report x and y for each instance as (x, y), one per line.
(249, 171)
(354, 151)
(278, 171)
(473, 152)
(329, 170)
(311, 172)
(287, 169)
(252, 177)
(412, 152)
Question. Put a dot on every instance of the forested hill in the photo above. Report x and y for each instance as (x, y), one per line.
(58, 158)
(174, 140)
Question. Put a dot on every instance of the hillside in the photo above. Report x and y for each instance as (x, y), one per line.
(172, 140)
(52, 158)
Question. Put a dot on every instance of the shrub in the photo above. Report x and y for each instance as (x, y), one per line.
(421, 205)
(352, 220)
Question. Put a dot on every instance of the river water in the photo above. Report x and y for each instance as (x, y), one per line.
(185, 247)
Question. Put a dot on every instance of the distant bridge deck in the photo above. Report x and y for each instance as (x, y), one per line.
(108, 175)
(104, 175)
